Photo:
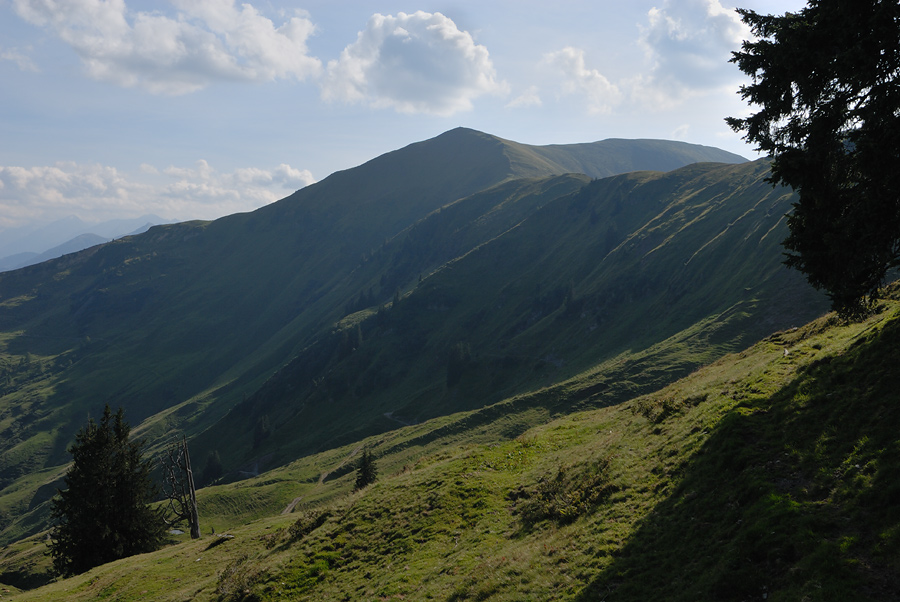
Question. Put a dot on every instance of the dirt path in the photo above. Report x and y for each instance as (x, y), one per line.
(355, 451)
(290, 507)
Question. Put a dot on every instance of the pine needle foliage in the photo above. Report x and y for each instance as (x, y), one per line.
(366, 471)
(825, 80)
(103, 514)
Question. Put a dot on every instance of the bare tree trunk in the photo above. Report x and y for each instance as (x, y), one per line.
(195, 517)
(178, 486)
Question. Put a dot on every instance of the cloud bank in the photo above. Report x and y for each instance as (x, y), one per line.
(688, 44)
(418, 63)
(577, 79)
(411, 63)
(97, 192)
(207, 41)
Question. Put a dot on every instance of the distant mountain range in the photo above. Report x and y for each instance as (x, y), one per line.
(28, 245)
(441, 277)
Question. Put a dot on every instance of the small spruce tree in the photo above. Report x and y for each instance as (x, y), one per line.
(366, 471)
(103, 514)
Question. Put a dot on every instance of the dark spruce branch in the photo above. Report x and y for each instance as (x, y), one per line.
(366, 471)
(104, 512)
(825, 80)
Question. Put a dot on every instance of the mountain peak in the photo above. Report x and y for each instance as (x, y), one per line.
(599, 159)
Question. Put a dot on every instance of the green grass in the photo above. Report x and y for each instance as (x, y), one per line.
(765, 473)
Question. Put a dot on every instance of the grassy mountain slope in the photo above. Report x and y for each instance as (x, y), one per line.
(539, 279)
(239, 283)
(179, 324)
(770, 474)
(598, 275)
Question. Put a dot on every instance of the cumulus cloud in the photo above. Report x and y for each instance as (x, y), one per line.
(31, 192)
(207, 41)
(418, 63)
(599, 94)
(96, 192)
(688, 44)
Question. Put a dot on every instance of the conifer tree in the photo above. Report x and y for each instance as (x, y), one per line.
(826, 82)
(366, 471)
(103, 514)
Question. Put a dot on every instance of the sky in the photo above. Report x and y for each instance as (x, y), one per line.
(195, 109)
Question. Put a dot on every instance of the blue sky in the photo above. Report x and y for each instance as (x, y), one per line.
(201, 108)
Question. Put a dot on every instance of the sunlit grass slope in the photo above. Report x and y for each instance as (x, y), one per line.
(770, 474)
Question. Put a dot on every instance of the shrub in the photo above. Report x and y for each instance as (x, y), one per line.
(310, 520)
(572, 492)
(236, 581)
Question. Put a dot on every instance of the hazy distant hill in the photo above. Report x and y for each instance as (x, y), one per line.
(439, 277)
(30, 244)
(79, 243)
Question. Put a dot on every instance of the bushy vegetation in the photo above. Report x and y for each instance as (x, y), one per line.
(571, 493)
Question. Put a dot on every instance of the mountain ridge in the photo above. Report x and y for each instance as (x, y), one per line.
(616, 155)
(188, 322)
(539, 328)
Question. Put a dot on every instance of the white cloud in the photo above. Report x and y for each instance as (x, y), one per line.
(96, 192)
(688, 44)
(289, 177)
(283, 175)
(600, 95)
(22, 61)
(418, 63)
(29, 193)
(681, 132)
(207, 41)
(529, 98)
